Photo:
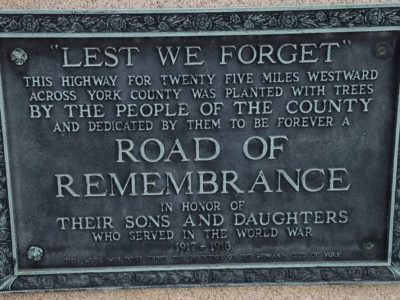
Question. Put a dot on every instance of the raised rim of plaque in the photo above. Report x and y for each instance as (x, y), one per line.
(393, 265)
(341, 27)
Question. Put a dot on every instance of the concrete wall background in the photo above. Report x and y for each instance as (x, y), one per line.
(353, 291)
(114, 4)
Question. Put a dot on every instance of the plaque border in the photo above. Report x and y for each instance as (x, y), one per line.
(196, 22)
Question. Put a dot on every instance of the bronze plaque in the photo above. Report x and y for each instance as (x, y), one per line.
(210, 147)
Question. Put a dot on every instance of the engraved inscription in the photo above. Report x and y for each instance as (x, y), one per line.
(198, 152)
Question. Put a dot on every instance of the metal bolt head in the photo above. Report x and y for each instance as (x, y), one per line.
(369, 245)
(381, 51)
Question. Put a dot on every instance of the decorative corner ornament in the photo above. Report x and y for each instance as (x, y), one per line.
(35, 253)
(19, 56)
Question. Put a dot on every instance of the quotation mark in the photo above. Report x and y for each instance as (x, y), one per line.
(346, 42)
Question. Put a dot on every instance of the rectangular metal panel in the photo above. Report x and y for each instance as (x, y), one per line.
(165, 148)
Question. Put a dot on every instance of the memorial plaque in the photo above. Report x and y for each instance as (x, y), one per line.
(199, 147)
